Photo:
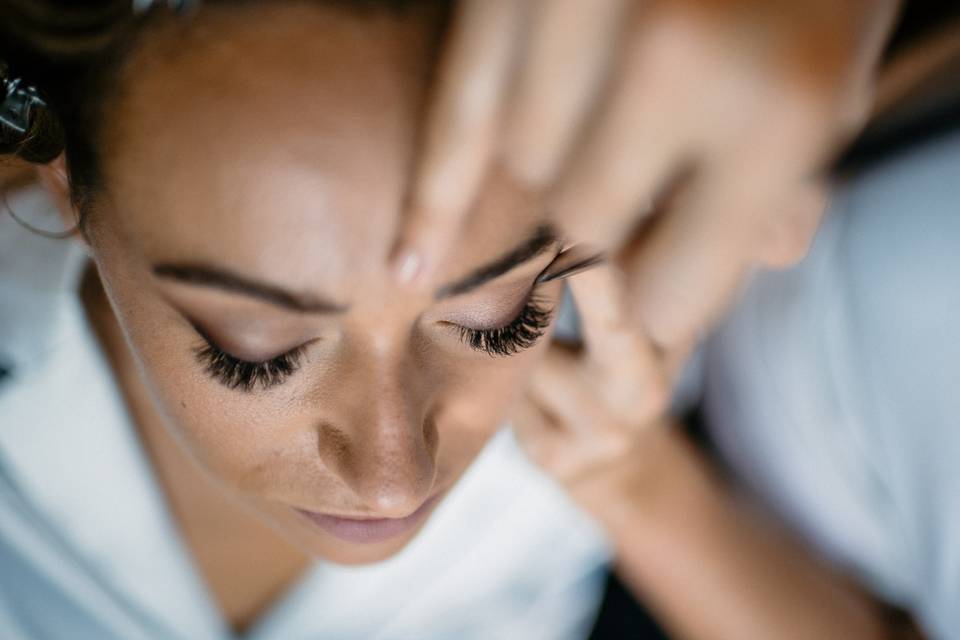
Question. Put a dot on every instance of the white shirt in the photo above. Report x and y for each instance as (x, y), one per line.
(833, 389)
(88, 548)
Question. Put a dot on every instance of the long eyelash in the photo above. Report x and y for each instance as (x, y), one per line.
(243, 375)
(522, 333)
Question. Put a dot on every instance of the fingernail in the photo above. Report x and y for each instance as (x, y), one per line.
(408, 267)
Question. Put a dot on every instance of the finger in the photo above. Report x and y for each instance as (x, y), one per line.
(460, 129)
(562, 452)
(565, 64)
(542, 439)
(676, 360)
(788, 235)
(695, 255)
(689, 265)
(625, 369)
(692, 260)
(857, 93)
(558, 388)
(561, 391)
(635, 141)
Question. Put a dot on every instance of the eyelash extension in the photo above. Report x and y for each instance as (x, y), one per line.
(522, 332)
(243, 375)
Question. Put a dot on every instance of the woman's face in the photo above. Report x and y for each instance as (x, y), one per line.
(255, 165)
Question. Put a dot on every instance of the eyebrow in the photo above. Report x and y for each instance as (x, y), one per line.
(543, 238)
(203, 275)
(217, 278)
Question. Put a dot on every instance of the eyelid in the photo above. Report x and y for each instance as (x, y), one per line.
(521, 333)
(488, 309)
(212, 343)
(241, 352)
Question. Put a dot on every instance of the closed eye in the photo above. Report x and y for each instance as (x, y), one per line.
(244, 375)
(519, 334)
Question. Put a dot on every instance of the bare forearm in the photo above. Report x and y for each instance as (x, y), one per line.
(710, 569)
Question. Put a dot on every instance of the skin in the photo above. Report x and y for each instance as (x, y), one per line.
(278, 162)
(680, 533)
(689, 139)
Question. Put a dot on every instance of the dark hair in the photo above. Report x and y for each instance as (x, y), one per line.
(71, 53)
(61, 48)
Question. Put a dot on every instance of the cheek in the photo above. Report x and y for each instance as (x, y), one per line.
(477, 400)
(485, 396)
(238, 440)
(243, 441)
(258, 443)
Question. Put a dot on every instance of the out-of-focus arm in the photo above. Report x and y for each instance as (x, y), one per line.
(711, 568)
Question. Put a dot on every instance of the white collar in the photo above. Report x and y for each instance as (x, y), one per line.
(62, 413)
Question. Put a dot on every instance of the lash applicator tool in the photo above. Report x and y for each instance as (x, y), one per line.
(570, 262)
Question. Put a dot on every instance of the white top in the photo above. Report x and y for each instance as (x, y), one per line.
(88, 548)
(833, 389)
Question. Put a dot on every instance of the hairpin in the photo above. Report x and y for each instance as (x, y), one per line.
(176, 6)
(19, 101)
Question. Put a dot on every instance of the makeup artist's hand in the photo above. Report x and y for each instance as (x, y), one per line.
(588, 409)
(678, 531)
(733, 107)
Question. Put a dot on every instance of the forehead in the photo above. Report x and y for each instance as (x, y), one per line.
(279, 140)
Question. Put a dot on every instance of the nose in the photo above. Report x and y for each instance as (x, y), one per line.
(382, 441)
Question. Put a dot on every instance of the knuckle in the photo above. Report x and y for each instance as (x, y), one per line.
(620, 443)
(656, 397)
(651, 401)
(790, 238)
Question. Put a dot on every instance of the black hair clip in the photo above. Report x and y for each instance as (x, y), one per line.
(19, 101)
(176, 6)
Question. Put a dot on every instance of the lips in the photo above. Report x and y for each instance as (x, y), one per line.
(368, 531)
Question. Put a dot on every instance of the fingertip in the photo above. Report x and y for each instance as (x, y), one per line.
(413, 258)
(788, 238)
(407, 267)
